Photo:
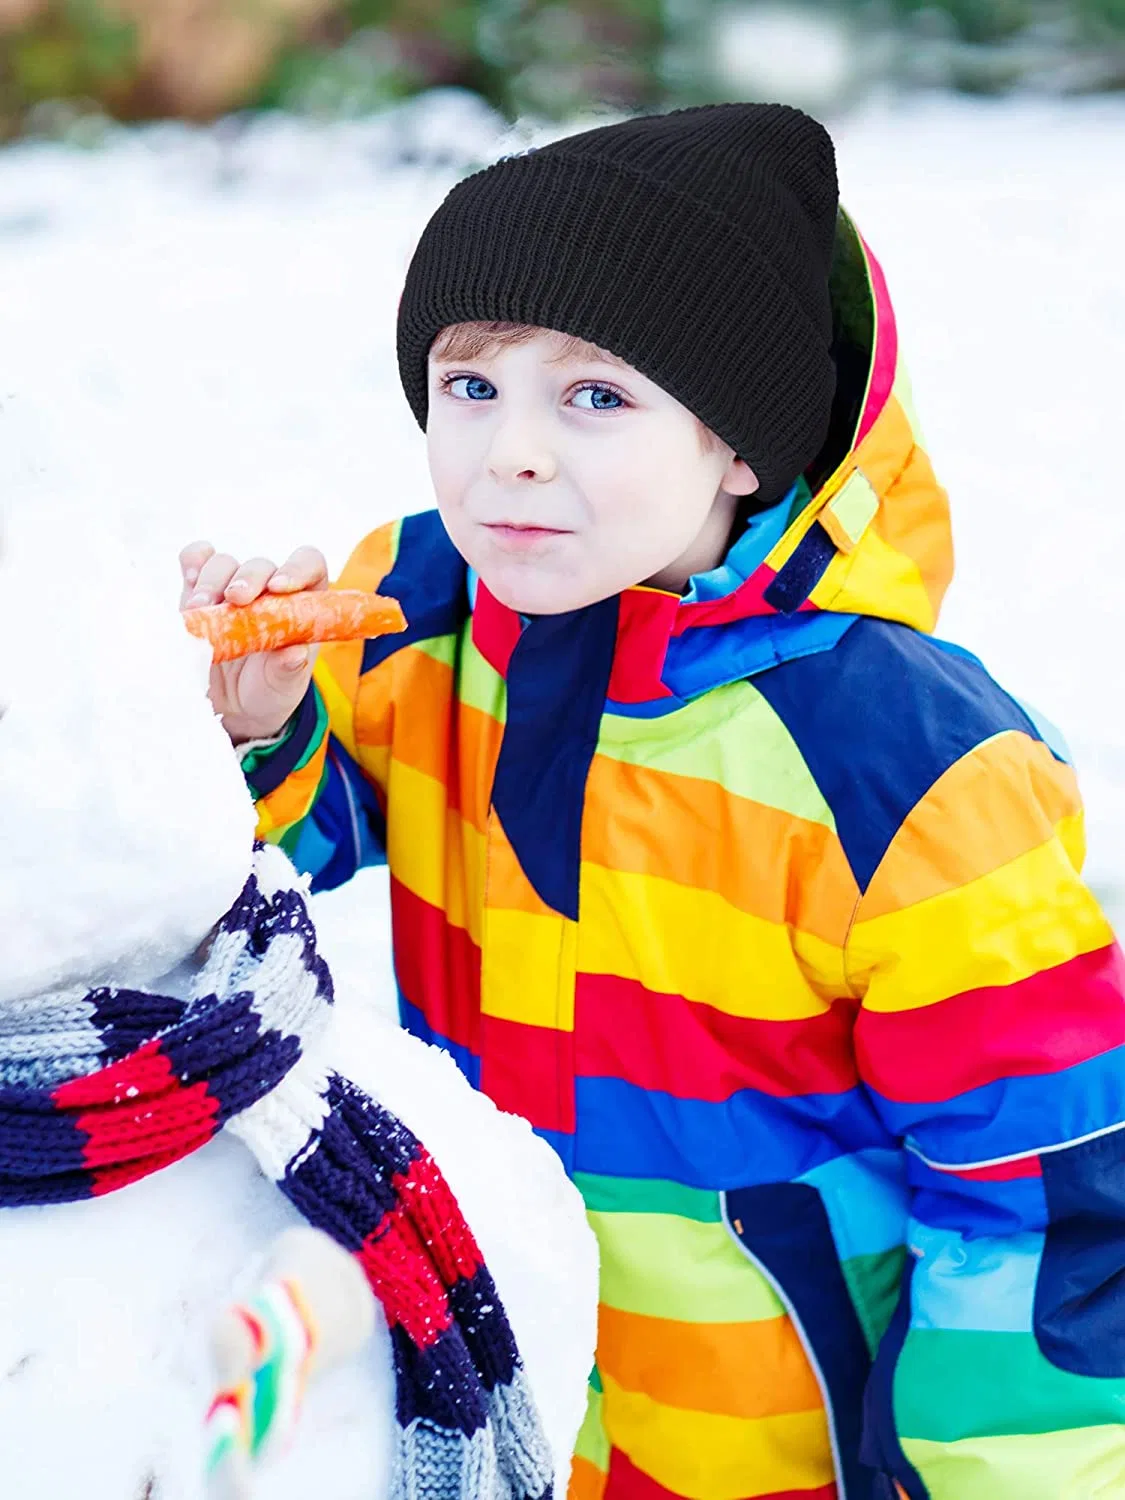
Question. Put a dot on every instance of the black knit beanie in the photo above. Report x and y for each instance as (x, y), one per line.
(694, 245)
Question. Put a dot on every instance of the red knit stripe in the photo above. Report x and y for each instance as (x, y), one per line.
(404, 1279)
(137, 1117)
(428, 1199)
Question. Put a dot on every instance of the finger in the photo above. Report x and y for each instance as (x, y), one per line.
(192, 558)
(304, 569)
(249, 581)
(213, 578)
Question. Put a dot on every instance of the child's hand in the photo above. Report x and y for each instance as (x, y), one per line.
(255, 695)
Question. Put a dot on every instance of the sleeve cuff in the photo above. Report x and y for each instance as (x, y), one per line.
(266, 765)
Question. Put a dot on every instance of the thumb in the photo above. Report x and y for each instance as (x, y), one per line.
(285, 671)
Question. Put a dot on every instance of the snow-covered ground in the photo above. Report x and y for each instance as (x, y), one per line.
(202, 323)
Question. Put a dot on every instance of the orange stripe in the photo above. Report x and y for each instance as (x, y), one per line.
(423, 737)
(729, 1369)
(764, 861)
(508, 888)
(371, 561)
(290, 801)
(913, 516)
(586, 1481)
(1002, 800)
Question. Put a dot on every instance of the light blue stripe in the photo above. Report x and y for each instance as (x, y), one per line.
(983, 1285)
(865, 1196)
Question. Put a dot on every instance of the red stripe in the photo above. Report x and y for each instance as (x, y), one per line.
(403, 1278)
(693, 1051)
(1007, 1171)
(644, 624)
(137, 1117)
(746, 600)
(1043, 1024)
(885, 362)
(429, 1200)
(496, 629)
(527, 1070)
(438, 967)
(627, 1482)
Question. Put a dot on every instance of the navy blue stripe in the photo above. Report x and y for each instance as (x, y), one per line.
(785, 1228)
(557, 680)
(344, 1185)
(878, 719)
(42, 1151)
(880, 1445)
(801, 574)
(440, 1386)
(126, 1019)
(279, 763)
(430, 580)
(477, 1311)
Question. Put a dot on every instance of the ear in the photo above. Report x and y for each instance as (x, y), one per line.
(739, 478)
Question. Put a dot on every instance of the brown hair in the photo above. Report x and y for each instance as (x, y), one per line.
(469, 341)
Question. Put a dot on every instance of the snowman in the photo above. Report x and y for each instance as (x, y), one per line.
(182, 1097)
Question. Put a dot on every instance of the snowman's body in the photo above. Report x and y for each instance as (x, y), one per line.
(124, 834)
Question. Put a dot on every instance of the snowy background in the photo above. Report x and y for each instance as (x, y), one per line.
(199, 325)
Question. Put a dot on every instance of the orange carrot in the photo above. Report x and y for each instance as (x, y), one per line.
(274, 621)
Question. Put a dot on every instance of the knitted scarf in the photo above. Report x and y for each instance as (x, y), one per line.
(100, 1087)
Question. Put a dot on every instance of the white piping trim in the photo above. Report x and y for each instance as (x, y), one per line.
(1003, 1161)
(805, 1345)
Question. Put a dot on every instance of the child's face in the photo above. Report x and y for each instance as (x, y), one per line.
(562, 481)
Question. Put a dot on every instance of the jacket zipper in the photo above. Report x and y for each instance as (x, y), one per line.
(805, 1345)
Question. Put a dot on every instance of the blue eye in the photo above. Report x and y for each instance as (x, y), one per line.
(476, 389)
(597, 393)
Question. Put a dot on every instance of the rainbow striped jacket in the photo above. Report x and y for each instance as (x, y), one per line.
(764, 907)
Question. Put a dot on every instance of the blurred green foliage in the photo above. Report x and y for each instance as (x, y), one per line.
(65, 60)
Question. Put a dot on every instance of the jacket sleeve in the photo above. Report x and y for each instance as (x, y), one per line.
(991, 1037)
(320, 790)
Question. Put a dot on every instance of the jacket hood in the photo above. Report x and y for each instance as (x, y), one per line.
(874, 539)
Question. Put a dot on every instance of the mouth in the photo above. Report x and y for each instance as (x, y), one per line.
(519, 535)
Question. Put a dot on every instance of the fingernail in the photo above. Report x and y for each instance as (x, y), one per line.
(191, 574)
(201, 596)
(240, 585)
(280, 581)
(296, 658)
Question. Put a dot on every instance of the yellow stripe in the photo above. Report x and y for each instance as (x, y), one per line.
(652, 930)
(1081, 1463)
(1031, 914)
(528, 968)
(875, 570)
(706, 1457)
(432, 850)
(662, 1266)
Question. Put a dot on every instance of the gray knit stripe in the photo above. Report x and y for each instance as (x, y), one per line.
(46, 1039)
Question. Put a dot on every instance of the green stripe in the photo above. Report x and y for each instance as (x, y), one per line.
(442, 648)
(954, 1383)
(707, 739)
(875, 1282)
(479, 684)
(1082, 1464)
(661, 1266)
(642, 1195)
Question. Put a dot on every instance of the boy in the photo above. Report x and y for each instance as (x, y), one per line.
(759, 903)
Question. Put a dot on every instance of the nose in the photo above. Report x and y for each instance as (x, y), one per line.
(520, 451)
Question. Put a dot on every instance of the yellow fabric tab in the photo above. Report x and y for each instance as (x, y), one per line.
(850, 512)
